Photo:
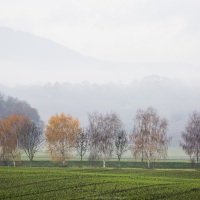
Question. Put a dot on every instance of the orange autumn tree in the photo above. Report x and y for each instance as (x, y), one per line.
(10, 129)
(18, 132)
(61, 132)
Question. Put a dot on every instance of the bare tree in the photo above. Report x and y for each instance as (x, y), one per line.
(82, 143)
(191, 137)
(149, 138)
(102, 129)
(121, 144)
(31, 138)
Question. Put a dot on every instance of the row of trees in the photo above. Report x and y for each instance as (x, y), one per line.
(105, 135)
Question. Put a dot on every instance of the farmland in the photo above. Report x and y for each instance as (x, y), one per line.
(97, 183)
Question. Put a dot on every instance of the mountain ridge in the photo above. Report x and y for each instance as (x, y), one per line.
(22, 45)
(29, 59)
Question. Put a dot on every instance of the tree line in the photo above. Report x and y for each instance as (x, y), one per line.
(104, 137)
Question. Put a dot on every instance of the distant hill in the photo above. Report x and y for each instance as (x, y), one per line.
(33, 59)
(26, 58)
(25, 47)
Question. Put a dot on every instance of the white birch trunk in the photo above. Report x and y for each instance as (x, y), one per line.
(64, 162)
(104, 163)
(149, 164)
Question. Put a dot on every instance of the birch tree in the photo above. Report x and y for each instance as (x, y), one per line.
(61, 132)
(102, 130)
(149, 137)
(191, 137)
(10, 129)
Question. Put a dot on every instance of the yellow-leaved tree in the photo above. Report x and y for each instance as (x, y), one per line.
(10, 129)
(61, 132)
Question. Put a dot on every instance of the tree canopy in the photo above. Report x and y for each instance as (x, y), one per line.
(149, 137)
(61, 132)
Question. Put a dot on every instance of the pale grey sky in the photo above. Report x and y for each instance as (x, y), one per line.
(117, 30)
(155, 37)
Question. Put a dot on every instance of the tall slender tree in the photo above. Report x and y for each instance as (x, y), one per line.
(191, 137)
(121, 144)
(82, 143)
(10, 130)
(102, 130)
(31, 138)
(149, 137)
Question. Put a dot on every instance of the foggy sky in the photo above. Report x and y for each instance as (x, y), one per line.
(129, 30)
(121, 40)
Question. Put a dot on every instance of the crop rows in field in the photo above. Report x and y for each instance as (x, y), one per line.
(73, 183)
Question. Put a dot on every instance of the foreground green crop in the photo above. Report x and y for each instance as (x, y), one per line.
(97, 183)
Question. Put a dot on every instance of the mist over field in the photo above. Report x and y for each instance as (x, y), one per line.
(173, 99)
(78, 58)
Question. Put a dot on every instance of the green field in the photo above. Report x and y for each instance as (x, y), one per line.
(97, 183)
(129, 163)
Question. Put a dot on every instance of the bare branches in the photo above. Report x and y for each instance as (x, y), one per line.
(30, 138)
(191, 137)
(19, 132)
(82, 142)
(102, 130)
(149, 136)
(121, 144)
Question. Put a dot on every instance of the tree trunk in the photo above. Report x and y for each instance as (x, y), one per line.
(104, 163)
(119, 162)
(63, 162)
(149, 164)
(81, 161)
(31, 160)
(4, 158)
(13, 163)
(142, 156)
